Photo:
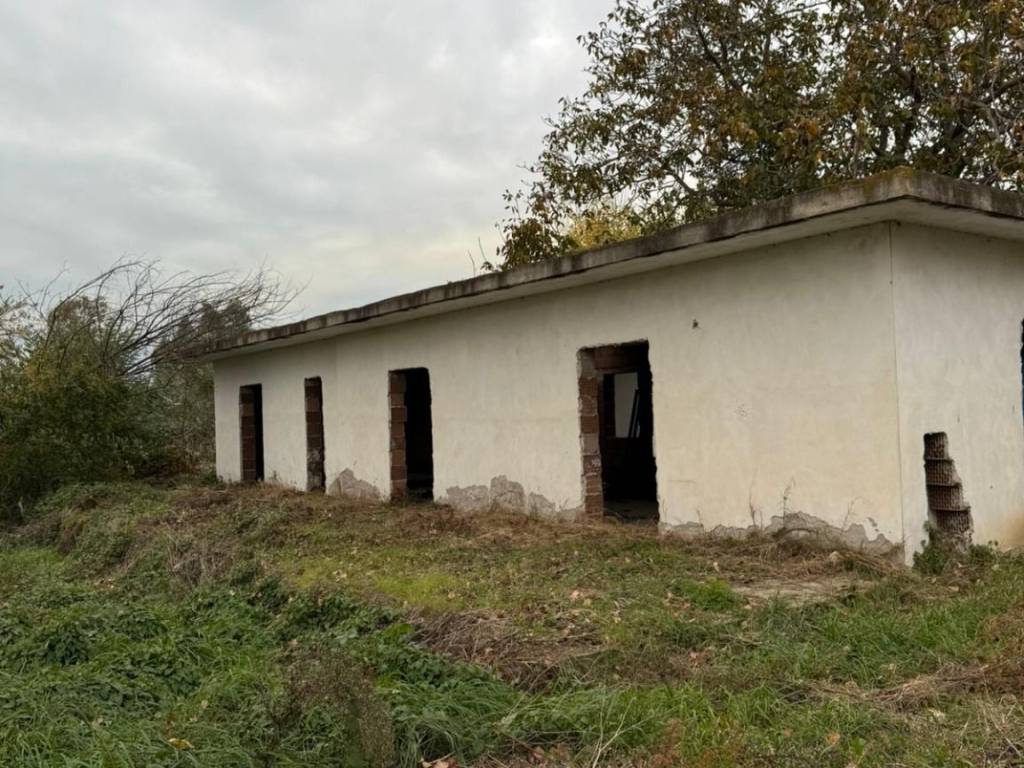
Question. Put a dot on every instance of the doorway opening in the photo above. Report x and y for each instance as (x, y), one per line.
(617, 432)
(250, 418)
(316, 478)
(412, 438)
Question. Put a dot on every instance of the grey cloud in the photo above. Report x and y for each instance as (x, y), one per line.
(364, 143)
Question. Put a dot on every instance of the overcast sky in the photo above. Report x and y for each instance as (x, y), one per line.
(360, 147)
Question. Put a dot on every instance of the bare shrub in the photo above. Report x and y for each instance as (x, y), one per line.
(101, 381)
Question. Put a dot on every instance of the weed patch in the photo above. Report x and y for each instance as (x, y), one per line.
(256, 626)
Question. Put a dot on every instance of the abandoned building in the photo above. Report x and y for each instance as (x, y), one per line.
(846, 362)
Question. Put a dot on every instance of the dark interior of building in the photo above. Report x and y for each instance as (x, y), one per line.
(250, 404)
(419, 442)
(627, 433)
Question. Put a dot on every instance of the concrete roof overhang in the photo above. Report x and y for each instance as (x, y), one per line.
(899, 195)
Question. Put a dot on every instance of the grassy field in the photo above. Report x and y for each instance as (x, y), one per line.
(207, 626)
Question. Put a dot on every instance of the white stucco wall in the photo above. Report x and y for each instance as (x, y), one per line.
(774, 388)
(959, 304)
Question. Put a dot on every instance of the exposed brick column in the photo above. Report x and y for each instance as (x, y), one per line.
(590, 417)
(398, 418)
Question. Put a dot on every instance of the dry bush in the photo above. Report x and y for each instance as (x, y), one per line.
(496, 643)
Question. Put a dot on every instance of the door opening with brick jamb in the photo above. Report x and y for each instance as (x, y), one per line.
(316, 477)
(617, 431)
(412, 439)
(250, 420)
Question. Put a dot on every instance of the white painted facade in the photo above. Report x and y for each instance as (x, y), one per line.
(796, 377)
(959, 308)
(800, 352)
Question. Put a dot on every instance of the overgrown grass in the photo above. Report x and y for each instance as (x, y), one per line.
(255, 627)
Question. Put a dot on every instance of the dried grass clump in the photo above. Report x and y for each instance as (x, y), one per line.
(495, 642)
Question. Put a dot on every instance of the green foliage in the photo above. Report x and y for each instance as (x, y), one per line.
(878, 637)
(710, 595)
(938, 556)
(935, 558)
(86, 397)
(65, 415)
(100, 382)
(152, 681)
(696, 107)
(64, 422)
(116, 655)
(602, 224)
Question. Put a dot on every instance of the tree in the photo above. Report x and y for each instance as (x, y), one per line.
(695, 107)
(602, 225)
(184, 389)
(12, 319)
(101, 382)
(137, 317)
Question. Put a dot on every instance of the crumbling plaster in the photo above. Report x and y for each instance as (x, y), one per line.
(863, 537)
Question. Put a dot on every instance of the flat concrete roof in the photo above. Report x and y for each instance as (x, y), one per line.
(901, 194)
